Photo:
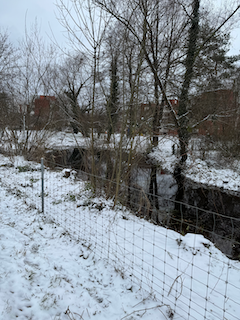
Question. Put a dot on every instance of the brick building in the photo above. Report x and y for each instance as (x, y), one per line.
(43, 105)
(218, 109)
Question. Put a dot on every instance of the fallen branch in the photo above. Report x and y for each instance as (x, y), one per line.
(147, 309)
(69, 313)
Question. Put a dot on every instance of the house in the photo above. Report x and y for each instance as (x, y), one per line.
(43, 105)
(214, 112)
(46, 111)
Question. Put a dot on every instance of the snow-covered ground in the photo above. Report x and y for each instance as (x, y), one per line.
(209, 171)
(82, 259)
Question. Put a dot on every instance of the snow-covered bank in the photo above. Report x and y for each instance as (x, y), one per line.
(203, 171)
(44, 274)
(207, 171)
(93, 259)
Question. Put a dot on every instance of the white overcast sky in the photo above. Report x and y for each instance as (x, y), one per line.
(13, 13)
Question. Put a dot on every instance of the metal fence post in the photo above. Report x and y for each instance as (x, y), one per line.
(42, 170)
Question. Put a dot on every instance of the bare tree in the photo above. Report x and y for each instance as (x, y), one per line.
(73, 79)
(8, 69)
(175, 62)
(112, 43)
(34, 63)
(8, 60)
(157, 26)
(85, 24)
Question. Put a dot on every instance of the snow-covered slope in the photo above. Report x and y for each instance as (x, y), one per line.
(203, 171)
(84, 260)
(207, 171)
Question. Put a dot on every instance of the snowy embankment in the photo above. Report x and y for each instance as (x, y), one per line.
(84, 260)
(207, 171)
(44, 273)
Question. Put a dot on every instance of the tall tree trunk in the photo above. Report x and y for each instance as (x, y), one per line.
(183, 133)
(93, 171)
(153, 186)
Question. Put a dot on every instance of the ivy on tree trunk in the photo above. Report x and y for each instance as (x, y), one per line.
(183, 132)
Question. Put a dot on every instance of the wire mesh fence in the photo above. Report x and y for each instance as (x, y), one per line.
(173, 258)
(172, 254)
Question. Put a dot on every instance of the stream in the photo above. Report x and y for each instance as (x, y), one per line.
(211, 211)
